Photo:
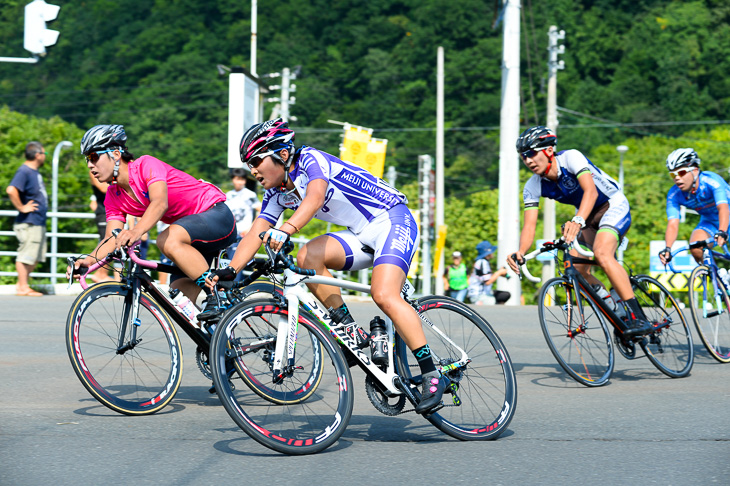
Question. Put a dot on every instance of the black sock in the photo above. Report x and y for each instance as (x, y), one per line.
(425, 361)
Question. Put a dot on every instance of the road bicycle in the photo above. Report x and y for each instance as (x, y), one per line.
(121, 339)
(709, 300)
(302, 394)
(574, 320)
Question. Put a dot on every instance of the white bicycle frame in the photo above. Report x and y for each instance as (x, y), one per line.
(295, 294)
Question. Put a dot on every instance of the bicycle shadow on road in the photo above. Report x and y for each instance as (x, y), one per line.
(195, 396)
(553, 376)
(361, 428)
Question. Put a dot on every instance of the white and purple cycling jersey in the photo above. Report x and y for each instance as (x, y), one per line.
(711, 191)
(356, 199)
(567, 190)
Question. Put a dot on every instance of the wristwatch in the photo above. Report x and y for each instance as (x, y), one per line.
(579, 220)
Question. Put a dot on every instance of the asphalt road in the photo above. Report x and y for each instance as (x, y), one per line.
(641, 428)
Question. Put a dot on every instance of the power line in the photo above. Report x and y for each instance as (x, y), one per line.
(104, 90)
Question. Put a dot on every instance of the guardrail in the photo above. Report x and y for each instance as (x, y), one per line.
(54, 255)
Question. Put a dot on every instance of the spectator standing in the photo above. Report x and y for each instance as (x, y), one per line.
(28, 195)
(481, 280)
(244, 202)
(455, 280)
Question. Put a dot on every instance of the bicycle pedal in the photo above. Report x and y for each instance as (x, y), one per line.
(434, 410)
(453, 388)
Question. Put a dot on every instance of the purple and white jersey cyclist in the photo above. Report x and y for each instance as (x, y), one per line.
(374, 212)
(567, 190)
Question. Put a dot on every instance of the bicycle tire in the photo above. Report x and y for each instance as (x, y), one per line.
(487, 387)
(303, 427)
(259, 289)
(670, 346)
(255, 369)
(713, 329)
(140, 381)
(583, 349)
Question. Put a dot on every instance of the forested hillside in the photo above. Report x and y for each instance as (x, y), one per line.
(637, 72)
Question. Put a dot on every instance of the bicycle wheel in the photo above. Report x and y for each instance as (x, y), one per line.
(484, 389)
(711, 313)
(669, 347)
(255, 367)
(143, 378)
(303, 426)
(580, 343)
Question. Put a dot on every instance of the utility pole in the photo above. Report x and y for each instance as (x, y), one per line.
(440, 161)
(284, 100)
(424, 170)
(391, 175)
(509, 128)
(254, 9)
(548, 267)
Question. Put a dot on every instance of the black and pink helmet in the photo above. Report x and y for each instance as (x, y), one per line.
(267, 138)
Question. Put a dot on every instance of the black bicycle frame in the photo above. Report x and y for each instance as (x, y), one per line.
(140, 280)
(574, 276)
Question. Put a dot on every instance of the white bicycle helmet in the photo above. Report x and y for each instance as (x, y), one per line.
(682, 157)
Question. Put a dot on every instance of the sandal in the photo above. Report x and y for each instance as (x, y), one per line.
(28, 293)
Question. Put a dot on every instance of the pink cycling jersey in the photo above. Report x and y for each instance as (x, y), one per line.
(186, 195)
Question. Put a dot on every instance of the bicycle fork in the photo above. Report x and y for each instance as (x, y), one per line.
(286, 342)
(130, 314)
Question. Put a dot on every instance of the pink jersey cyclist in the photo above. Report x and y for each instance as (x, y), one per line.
(185, 194)
(200, 223)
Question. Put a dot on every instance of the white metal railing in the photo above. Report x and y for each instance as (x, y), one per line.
(54, 255)
(54, 216)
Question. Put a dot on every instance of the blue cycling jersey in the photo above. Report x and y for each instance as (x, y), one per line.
(711, 191)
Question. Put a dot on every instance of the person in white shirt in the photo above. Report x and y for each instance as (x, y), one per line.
(243, 202)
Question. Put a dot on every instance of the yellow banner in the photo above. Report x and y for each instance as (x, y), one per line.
(375, 157)
(440, 244)
(354, 147)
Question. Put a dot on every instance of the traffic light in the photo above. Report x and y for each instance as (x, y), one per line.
(37, 36)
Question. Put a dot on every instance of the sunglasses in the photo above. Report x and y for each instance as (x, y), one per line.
(93, 157)
(254, 163)
(529, 154)
(679, 173)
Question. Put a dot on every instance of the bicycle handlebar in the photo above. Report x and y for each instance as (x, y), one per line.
(549, 246)
(277, 262)
(701, 244)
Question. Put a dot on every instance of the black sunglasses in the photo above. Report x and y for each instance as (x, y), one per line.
(254, 163)
(529, 154)
(93, 157)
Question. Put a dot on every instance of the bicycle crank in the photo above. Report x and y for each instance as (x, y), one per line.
(382, 402)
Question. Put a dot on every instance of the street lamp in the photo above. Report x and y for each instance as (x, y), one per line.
(54, 207)
(622, 149)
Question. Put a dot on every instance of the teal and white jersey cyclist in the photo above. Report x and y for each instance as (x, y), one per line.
(602, 211)
(315, 184)
(705, 192)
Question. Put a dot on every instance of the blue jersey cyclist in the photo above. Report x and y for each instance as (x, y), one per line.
(705, 192)
(315, 184)
(602, 211)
